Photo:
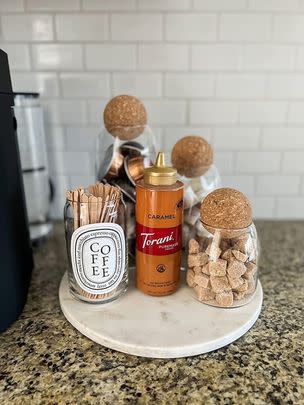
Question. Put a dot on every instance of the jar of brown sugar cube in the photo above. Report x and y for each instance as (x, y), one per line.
(223, 251)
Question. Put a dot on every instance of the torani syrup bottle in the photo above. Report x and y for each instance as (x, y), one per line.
(159, 215)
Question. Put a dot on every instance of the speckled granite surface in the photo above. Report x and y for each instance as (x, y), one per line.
(44, 360)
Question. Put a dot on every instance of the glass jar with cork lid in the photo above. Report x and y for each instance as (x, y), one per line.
(123, 151)
(95, 229)
(192, 156)
(224, 251)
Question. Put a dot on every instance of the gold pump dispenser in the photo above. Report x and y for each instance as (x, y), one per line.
(159, 174)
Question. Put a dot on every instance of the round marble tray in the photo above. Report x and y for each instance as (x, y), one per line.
(160, 327)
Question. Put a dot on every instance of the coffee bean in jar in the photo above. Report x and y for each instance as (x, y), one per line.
(223, 251)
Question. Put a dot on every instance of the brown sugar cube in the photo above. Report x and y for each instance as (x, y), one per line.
(199, 259)
(202, 280)
(213, 251)
(218, 268)
(250, 269)
(238, 295)
(225, 244)
(204, 294)
(219, 284)
(236, 268)
(242, 243)
(224, 299)
(193, 246)
(235, 282)
(190, 278)
(239, 255)
(243, 287)
(205, 269)
(227, 254)
(197, 269)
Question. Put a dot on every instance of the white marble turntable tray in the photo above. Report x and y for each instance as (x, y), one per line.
(161, 327)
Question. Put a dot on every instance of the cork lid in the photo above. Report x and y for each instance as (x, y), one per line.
(125, 117)
(226, 208)
(192, 156)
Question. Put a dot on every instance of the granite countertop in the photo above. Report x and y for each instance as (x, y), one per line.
(44, 360)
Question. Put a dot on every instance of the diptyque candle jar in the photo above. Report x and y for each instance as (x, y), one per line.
(95, 229)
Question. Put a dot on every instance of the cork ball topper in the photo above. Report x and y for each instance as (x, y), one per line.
(226, 208)
(192, 156)
(125, 117)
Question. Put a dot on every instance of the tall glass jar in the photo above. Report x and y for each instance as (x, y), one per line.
(97, 250)
(223, 265)
(120, 161)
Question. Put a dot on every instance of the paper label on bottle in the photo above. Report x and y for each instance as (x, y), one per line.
(98, 254)
(158, 241)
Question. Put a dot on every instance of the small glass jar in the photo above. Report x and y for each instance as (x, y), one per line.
(223, 265)
(97, 250)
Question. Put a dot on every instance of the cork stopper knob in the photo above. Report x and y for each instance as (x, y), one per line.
(226, 208)
(192, 156)
(125, 117)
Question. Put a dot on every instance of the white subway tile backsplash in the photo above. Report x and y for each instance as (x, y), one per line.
(31, 27)
(278, 185)
(57, 57)
(213, 112)
(81, 27)
(273, 5)
(191, 27)
(265, 57)
(263, 207)
(220, 5)
(236, 138)
(80, 180)
(18, 56)
(245, 27)
(173, 134)
(283, 138)
(285, 86)
(263, 112)
(109, 5)
(110, 57)
(163, 57)
(189, 85)
(229, 71)
(293, 162)
(164, 4)
(163, 112)
(11, 5)
(243, 183)
(65, 112)
(224, 162)
(44, 83)
(82, 85)
(141, 84)
(82, 139)
(216, 57)
(289, 28)
(95, 111)
(290, 208)
(258, 162)
(136, 27)
(296, 113)
(240, 86)
(53, 5)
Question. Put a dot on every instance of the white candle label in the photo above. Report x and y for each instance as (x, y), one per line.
(98, 257)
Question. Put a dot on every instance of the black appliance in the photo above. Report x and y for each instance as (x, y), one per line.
(16, 260)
